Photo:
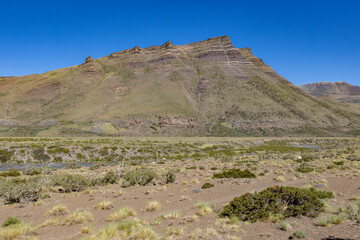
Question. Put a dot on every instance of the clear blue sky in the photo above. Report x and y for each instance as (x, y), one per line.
(304, 41)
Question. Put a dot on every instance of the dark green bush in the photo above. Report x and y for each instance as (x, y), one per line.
(169, 177)
(10, 173)
(5, 155)
(339, 163)
(39, 154)
(286, 201)
(69, 182)
(207, 185)
(10, 221)
(141, 176)
(235, 173)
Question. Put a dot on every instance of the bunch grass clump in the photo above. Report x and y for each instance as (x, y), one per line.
(57, 210)
(121, 214)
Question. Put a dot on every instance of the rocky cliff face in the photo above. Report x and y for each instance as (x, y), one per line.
(204, 88)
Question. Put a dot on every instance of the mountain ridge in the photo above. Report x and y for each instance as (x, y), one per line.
(198, 89)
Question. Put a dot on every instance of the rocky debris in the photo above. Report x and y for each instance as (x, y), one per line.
(178, 121)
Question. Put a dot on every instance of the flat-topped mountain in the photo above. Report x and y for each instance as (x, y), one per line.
(204, 88)
(347, 94)
(319, 89)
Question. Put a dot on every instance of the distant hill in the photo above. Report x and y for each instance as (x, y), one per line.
(340, 91)
(207, 88)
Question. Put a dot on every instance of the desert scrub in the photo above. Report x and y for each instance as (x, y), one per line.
(304, 168)
(10, 173)
(353, 212)
(19, 191)
(31, 171)
(69, 182)
(110, 178)
(285, 201)
(10, 221)
(235, 173)
(152, 206)
(57, 210)
(141, 176)
(207, 185)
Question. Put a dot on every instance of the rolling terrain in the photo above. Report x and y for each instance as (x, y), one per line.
(207, 88)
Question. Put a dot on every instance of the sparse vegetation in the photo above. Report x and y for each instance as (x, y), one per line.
(235, 173)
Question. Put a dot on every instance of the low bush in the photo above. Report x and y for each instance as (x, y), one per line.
(141, 176)
(353, 212)
(169, 177)
(285, 201)
(69, 182)
(235, 173)
(31, 171)
(207, 185)
(10, 173)
(299, 234)
(109, 178)
(10, 221)
(304, 168)
(19, 191)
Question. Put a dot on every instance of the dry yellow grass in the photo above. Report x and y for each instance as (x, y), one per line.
(104, 205)
(17, 230)
(152, 206)
(121, 214)
(57, 210)
(79, 216)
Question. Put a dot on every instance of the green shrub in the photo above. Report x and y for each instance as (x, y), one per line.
(69, 182)
(10, 173)
(207, 185)
(31, 171)
(141, 176)
(10, 221)
(5, 155)
(286, 201)
(235, 173)
(304, 168)
(39, 154)
(109, 178)
(169, 177)
(299, 234)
